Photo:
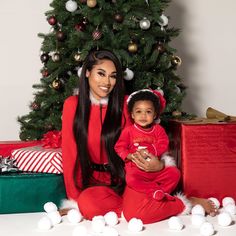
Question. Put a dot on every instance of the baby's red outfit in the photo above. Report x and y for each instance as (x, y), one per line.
(156, 142)
(98, 200)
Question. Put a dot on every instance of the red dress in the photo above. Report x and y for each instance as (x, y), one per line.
(99, 200)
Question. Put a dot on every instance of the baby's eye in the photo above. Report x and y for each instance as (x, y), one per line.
(138, 112)
(149, 112)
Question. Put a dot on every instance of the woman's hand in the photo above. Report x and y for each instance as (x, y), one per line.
(151, 164)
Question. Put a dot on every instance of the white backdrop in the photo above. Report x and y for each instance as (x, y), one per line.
(206, 46)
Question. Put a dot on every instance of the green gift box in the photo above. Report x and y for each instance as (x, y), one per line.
(28, 192)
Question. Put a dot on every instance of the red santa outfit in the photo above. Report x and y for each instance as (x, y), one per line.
(155, 140)
(98, 200)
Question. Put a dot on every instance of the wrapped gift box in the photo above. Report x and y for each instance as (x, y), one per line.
(206, 154)
(38, 159)
(28, 192)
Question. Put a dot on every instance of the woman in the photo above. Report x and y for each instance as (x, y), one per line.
(91, 125)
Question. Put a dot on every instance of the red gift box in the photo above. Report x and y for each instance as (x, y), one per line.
(206, 156)
(6, 147)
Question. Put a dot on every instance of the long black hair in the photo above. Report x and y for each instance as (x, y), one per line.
(111, 127)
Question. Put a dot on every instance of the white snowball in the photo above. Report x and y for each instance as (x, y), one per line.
(98, 224)
(109, 231)
(227, 200)
(135, 225)
(216, 202)
(74, 216)
(50, 207)
(111, 218)
(129, 74)
(230, 208)
(198, 209)
(198, 220)
(55, 217)
(80, 230)
(207, 229)
(175, 223)
(71, 6)
(44, 223)
(224, 219)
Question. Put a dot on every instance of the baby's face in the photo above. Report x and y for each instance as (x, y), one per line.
(143, 113)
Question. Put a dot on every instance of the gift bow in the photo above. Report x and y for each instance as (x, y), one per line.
(7, 165)
(52, 139)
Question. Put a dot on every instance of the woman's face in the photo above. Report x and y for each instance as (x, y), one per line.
(102, 78)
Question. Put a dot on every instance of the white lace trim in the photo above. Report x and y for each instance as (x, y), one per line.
(102, 101)
(186, 202)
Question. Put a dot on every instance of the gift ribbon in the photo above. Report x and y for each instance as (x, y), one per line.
(7, 165)
(52, 139)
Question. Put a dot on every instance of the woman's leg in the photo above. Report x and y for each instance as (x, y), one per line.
(99, 200)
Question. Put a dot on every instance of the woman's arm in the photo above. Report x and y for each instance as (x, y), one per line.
(69, 150)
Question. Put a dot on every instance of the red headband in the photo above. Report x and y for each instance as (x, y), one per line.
(156, 92)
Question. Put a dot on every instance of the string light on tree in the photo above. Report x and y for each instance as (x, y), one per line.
(144, 24)
(91, 3)
(71, 6)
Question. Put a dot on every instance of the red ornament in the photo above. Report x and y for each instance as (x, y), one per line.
(80, 26)
(34, 106)
(52, 20)
(83, 1)
(45, 73)
(97, 34)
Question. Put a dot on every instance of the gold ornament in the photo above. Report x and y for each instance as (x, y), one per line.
(77, 57)
(133, 47)
(176, 61)
(56, 84)
(91, 3)
(176, 113)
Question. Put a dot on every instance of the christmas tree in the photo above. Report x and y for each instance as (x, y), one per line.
(136, 31)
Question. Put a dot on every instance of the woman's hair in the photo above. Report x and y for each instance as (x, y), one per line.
(144, 95)
(111, 127)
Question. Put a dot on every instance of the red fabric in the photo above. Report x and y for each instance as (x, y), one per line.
(8, 146)
(207, 157)
(133, 136)
(52, 139)
(69, 146)
(99, 200)
(147, 209)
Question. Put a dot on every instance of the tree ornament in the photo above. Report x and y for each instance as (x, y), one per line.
(45, 72)
(133, 47)
(176, 61)
(52, 20)
(83, 1)
(56, 57)
(160, 47)
(91, 3)
(60, 36)
(71, 6)
(144, 24)
(118, 18)
(44, 58)
(97, 34)
(79, 71)
(163, 21)
(77, 56)
(34, 106)
(177, 113)
(128, 74)
(56, 84)
(80, 26)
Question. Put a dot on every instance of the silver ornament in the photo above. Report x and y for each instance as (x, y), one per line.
(71, 6)
(144, 24)
(128, 74)
(163, 21)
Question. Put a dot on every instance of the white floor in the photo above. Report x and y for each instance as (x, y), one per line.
(26, 225)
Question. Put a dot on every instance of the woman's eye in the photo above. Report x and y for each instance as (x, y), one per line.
(113, 76)
(101, 74)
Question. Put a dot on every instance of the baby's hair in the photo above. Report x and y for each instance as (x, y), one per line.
(144, 95)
